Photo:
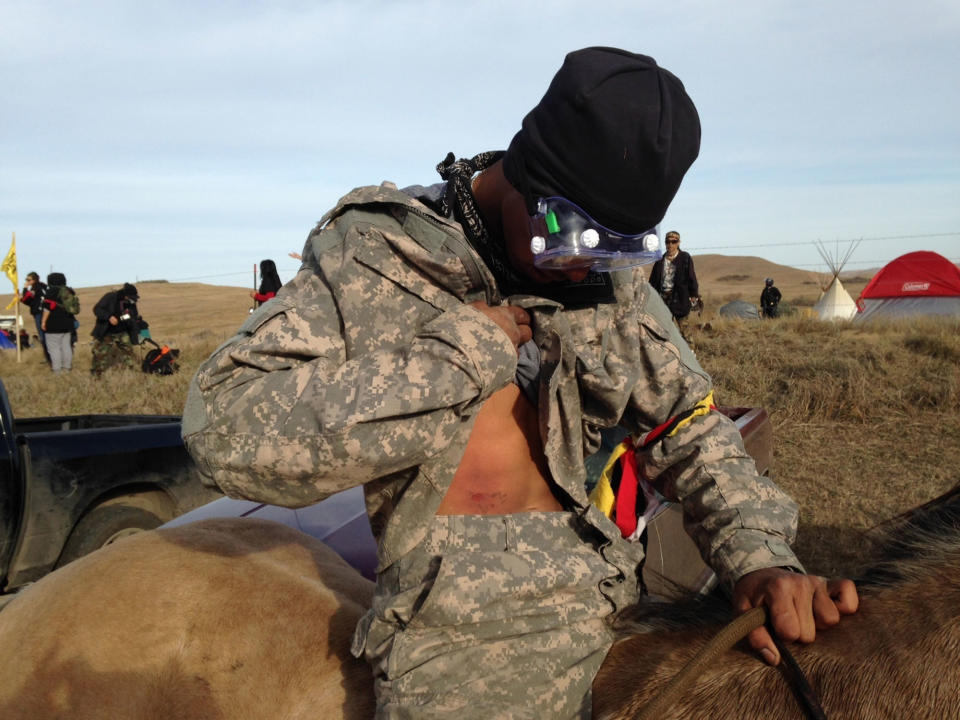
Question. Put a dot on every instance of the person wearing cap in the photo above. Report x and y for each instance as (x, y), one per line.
(457, 350)
(116, 330)
(674, 278)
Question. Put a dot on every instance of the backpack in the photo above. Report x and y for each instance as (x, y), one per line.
(68, 300)
(162, 360)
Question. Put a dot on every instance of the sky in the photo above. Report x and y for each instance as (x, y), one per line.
(187, 141)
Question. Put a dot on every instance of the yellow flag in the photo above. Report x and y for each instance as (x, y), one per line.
(9, 266)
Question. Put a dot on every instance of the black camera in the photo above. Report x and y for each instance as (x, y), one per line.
(129, 318)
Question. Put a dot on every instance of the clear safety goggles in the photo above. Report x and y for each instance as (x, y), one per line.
(564, 237)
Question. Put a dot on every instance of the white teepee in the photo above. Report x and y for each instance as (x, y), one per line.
(835, 302)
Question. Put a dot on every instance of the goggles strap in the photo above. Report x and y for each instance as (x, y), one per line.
(459, 201)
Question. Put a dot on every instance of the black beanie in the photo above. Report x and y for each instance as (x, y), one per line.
(614, 133)
(129, 291)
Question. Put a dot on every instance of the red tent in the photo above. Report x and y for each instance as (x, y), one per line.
(918, 283)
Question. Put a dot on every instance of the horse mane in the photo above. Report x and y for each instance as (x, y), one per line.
(685, 610)
(914, 539)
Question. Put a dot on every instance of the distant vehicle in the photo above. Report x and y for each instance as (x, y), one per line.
(9, 323)
(341, 522)
(71, 484)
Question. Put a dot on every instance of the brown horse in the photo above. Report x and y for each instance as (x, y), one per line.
(898, 657)
(229, 618)
(243, 618)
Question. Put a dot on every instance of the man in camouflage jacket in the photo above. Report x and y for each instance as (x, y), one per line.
(373, 365)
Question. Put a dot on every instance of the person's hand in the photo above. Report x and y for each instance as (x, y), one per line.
(798, 605)
(112, 320)
(253, 294)
(514, 321)
(295, 255)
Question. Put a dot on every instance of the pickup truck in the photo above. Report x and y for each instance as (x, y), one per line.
(70, 484)
(673, 565)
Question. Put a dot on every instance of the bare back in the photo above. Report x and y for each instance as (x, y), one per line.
(503, 469)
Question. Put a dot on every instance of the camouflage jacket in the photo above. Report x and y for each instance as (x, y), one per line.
(369, 368)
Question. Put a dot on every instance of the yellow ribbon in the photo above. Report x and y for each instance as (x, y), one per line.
(602, 495)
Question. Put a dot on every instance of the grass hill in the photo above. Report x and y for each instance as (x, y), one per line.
(866, 417)
(724, 278)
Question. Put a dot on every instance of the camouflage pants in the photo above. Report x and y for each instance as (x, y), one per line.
(112, 351)
(502, 616)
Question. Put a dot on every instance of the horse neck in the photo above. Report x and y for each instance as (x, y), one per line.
(901, 649)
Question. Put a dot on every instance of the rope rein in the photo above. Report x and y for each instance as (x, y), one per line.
(721, 642)
(729, 636)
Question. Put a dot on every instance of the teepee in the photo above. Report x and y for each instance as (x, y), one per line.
(835, 302)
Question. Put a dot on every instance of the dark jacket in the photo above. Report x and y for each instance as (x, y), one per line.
(114, 304)
(269, 282)
(59, 320)
(685, 283)
(33, 298)
(769, 300)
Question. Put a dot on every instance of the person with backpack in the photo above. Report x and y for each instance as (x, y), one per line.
(116, 331)
(60, 308)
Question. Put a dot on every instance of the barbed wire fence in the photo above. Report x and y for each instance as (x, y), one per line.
(955, 258)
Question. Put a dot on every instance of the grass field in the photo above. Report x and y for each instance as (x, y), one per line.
(867, 418)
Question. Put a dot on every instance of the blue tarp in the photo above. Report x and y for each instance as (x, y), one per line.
(5, 342)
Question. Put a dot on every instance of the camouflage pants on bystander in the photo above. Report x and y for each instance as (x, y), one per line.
(113, 350)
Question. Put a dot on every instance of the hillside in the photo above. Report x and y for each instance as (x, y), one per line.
(724, 278)
(178, 311)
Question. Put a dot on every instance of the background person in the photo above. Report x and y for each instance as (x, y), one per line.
(423, 352)
(116, 330)
(674, 278)
(32, 297)
(269, 283)
(57, 321)
(770, 299)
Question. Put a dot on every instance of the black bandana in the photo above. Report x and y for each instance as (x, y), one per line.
(459, 201)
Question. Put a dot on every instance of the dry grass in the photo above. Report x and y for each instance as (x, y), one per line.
(866, 420)
(192, 317)
(866, 417)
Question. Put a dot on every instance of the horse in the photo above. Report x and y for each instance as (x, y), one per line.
(218, 619)
(235, 618)
(897, 657)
